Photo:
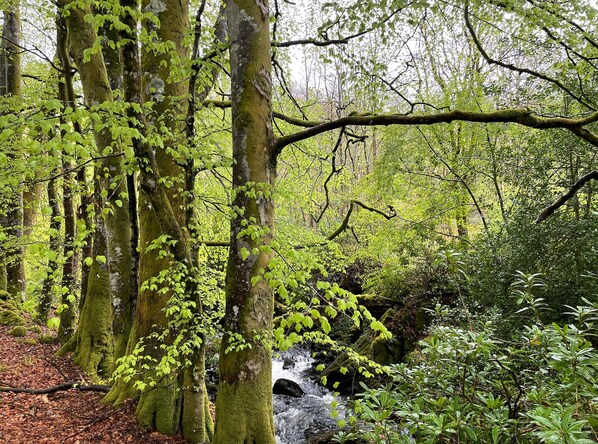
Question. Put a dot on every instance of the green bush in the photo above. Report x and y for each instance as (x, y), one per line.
(562, 249)
(467, 385)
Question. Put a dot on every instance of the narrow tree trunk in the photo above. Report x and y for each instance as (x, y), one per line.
(85, 223)
(244, 409)
(31, 201)
(47, 292)
(68, 299)
(10, 85)
(67, 315)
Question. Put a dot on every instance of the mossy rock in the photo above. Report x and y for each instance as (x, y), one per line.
(11, 318)
(29, 341)
(46, 338)
(18, 331)
(388, 351)
(35, 329)
(4, 295)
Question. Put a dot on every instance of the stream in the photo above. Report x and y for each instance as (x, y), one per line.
(297, 419)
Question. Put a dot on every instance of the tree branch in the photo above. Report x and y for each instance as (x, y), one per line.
(345, 222)
(57, 388)
(314, 42)
(520, 116)
(549, 210)
(517, 69)
(224, 104)
(72, 169)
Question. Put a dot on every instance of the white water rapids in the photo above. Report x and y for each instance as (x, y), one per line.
(296, 419)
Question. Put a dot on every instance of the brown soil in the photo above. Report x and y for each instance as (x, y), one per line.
(68, 417)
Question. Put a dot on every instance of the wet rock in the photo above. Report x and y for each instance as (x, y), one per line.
(288, 363)
(288, 388)
(314, 436)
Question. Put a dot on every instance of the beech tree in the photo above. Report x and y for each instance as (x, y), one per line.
(12, 274)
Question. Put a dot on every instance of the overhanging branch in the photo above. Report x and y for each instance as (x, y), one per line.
(520, 116)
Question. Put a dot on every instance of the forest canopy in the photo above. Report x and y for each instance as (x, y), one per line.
(404, 188)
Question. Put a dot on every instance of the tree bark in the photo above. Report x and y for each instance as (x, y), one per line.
(244, 404)
(48, 286)
(177, 402)
(10, 86)
(68, 313)
(109, 289)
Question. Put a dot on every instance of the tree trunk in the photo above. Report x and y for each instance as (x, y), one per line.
(48, 286)
(177, 402)
(109, 289)
(65, 90)
(244, 405)
(67, 315)
(10, 85)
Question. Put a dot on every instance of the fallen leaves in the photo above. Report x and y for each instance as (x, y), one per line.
(69, 417)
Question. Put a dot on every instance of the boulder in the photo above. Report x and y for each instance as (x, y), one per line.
(288, 388)
(288, 363)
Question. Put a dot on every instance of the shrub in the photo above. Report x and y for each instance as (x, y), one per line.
(467, 385)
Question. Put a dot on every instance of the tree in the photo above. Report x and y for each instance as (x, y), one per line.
(244, 404)
(10, 88)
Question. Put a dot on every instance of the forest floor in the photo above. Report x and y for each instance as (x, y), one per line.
(69, 416)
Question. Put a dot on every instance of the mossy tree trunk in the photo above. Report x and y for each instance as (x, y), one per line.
(177, 402)
(109, 289)
(244, 409)
(66, 95)
(10, 86)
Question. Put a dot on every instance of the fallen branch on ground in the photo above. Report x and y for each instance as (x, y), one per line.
(57, 388)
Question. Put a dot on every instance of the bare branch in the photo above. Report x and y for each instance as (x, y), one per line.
(517, 69)
(57, 388)
(223, 104)
(354, 203)
(314, 42)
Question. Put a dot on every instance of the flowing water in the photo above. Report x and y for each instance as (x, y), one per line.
(295, 419)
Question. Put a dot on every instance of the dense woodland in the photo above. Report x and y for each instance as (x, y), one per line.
(406, 188)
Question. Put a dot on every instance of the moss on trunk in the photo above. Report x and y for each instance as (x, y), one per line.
(109, 292)
(178, 402)
(92, 342)
(244, 404)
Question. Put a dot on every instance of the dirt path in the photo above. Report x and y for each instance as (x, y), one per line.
(68, 417)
